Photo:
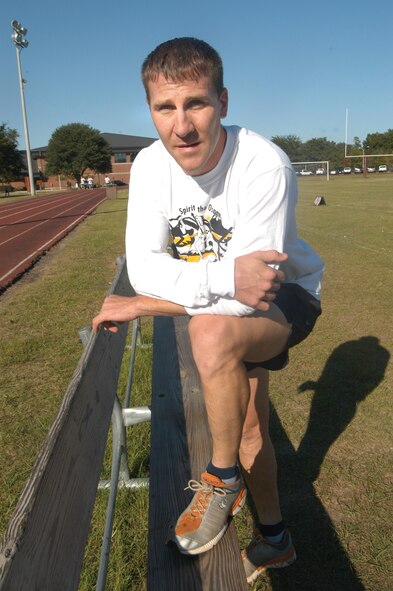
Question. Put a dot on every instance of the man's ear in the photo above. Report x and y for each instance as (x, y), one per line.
(223, 98)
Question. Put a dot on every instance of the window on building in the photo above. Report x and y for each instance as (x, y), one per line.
(120, 157)
(133, 155)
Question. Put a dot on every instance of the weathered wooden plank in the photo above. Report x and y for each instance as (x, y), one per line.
(180, 450)
(44, 543)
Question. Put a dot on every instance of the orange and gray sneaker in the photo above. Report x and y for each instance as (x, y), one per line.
(262, 554)
(205, 520)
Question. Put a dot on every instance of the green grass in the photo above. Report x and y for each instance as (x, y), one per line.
(331, 407)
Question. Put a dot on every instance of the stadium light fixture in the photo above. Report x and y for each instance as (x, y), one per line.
(20, 42)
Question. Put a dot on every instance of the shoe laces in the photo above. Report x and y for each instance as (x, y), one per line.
(204, 491)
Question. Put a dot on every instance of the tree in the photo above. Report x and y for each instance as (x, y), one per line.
(319, 148)
(75, 148)
(11, 163)
(380, 143)
(291, 144)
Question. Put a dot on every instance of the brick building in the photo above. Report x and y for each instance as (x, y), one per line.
(124, 148)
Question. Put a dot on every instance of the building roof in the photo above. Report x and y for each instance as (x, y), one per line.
(118, 142)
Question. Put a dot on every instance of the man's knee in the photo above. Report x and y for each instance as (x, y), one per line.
(212, 342)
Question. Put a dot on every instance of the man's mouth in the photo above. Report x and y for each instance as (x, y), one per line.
(184, 146)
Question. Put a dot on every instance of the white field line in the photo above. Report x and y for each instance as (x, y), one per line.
(41, 248)
(37, 225)
(36, 208)
(348, 239)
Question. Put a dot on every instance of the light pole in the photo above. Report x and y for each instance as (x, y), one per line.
(20, 42)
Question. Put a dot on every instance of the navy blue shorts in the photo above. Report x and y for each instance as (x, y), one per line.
(301, 310)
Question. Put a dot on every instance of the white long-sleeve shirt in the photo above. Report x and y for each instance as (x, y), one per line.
(246, 203)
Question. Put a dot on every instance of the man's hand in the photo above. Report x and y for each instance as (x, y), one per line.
(256, 283)
(114, 310)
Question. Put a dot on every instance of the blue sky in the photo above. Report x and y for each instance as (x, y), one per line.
(291, 67)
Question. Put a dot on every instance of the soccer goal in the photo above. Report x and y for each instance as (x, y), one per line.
(318, 168)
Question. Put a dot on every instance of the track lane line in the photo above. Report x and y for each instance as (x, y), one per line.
(41, 248)
(40, 223)
(55, 205)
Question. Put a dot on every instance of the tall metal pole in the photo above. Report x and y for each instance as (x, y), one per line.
(27, 141)
(19, 41)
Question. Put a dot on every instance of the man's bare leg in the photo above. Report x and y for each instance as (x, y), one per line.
(219, 345)
(271, 546)
(256, 453)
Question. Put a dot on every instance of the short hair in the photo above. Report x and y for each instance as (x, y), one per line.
(184, 58)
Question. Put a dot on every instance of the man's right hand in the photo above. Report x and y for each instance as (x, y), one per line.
(256, 283)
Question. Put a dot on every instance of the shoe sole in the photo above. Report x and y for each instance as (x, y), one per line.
(289, 559)
(236, 508)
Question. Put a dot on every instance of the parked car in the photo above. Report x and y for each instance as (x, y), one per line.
(357, 170)
(119, 183)
(347, 170)
(320, 171)
(306, 172)
(370, 168)
(334, 171)
(382, 168)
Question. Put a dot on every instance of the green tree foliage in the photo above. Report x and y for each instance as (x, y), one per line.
(319, 148)
(380, 143)
(75, 148)
(11, 163)
(292, 146)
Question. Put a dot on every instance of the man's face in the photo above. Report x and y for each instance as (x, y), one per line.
(187, 116)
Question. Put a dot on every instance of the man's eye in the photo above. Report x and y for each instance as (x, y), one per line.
(197, 104)
(162, 108)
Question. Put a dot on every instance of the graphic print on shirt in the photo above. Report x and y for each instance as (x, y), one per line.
(196, 237)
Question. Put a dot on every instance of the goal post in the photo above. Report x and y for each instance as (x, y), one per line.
(311, 168)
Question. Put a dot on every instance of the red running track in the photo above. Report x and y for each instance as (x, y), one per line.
(29, 228)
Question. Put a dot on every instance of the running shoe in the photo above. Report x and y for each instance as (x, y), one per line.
(261, 555)
(205, 520)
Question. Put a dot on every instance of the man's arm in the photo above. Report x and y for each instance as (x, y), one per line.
(117, 309)
(256, 285)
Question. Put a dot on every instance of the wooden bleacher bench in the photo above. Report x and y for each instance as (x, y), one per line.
(180, 450)
(44, 543)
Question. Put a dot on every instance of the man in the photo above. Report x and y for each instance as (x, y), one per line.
(223, 198)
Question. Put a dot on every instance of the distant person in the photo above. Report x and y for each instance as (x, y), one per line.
(225, 198)
(83, 183)
(107, 181)
(90, 183)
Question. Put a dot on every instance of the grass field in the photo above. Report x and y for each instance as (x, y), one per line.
(331, 407)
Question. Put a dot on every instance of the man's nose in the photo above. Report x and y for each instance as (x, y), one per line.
(183, 124)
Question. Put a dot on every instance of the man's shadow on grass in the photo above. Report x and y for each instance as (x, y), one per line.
(351, 373)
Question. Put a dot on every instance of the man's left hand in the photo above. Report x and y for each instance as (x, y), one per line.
(114, 310)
